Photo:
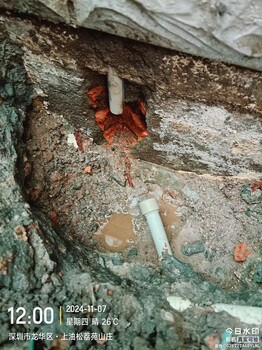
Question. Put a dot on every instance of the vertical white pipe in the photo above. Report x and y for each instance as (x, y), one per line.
(150, 209)
(115, 92)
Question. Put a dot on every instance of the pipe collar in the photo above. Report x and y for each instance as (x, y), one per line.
(148, 206)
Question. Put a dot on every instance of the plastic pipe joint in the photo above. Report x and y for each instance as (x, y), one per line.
(150, 209)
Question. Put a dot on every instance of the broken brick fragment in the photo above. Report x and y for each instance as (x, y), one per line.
(83, 141)
(128, 171)
(78, 138)
(21, 233)
(241, 252)
(125, 129)
(97, 96)
(135, 122)
(102, 119)
(88, 169)
(256, 186)
(119, 133)
(128, 128)
(54, 218)
(109, 292)
(141, 106)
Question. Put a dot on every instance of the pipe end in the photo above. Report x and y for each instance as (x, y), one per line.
(115, 92)
(149, 205)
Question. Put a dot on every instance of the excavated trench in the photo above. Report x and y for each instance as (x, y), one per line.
(71, 229)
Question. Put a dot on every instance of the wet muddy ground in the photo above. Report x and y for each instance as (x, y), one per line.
(82, 188)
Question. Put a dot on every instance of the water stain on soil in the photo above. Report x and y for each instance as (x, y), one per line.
(170, 219)
(117, 234)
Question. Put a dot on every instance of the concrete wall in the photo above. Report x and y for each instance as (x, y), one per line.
(229, 31)
(203, 117)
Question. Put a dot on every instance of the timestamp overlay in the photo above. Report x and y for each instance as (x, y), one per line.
(68, 322)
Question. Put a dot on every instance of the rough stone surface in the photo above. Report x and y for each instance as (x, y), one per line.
(186, 131)
(190, 137)
(50, 208)
(195, 247)
(229, 32)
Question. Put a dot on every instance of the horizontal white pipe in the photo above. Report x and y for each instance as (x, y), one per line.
(150, 209)
(245, 313)
(115, 92)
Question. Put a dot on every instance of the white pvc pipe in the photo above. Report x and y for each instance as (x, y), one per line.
(245, 313)
(115, 92)
(150, 209)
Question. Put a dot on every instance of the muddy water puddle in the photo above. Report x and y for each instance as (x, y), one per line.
(169, 218)
(117, 234)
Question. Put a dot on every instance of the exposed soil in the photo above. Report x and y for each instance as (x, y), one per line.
(91, 193)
